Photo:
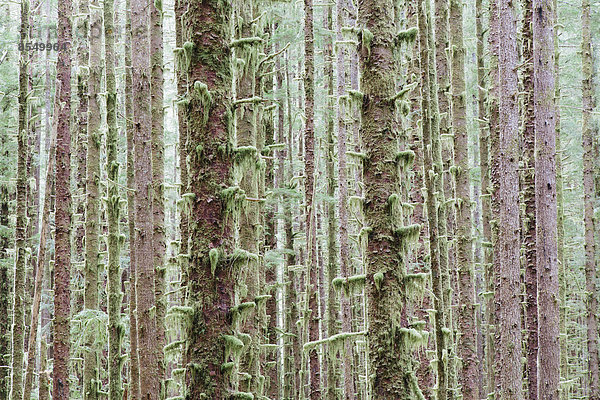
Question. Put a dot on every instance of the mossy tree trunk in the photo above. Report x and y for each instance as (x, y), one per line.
(144, 229)
(588, 188)
(91, 378)
(211, 348)
(391, 370)
(527, 178)
(5, 323)
(62, 259)
(113, 209)
(484, 167)
(18, 303)
(467, 346)
(44, 376)
(508, 307)
(158, 178)
(134, 367)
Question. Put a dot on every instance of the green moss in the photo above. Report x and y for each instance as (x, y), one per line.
(203, 94)
(242, 396)
(233, 346)
(227, 367)
(405, 158)
(415, 284)
(378, 278)
(213, 255)
(407, 36)
(240, 312)
(350, 285)
(234, 199)
(249, 41)
(408, 234)
(367, 39)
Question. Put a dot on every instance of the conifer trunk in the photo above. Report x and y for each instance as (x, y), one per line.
(141, 72)
(113, 210)
(389, 354)
(158, 178)
(508, 310)
(311, 316)
(91, 383)
(134, 367)
(44, 377)
(467, 346)
(528, 192)
(18, 304)
(5, 325)
(62, 260)
(211, 346)
(588, 188)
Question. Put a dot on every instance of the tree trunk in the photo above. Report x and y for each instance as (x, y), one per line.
(134, 366)
(113, 210)
(528, 192)
(44, 377)
(467, 346)
(211, 348)
(389, 350)
(158, 178)
(508, 307)
(91, 374)
(141, 72)
(62, 260)
(18, 304)
(588, 197)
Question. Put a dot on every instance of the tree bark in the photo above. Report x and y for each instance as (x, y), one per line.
(62, 260)
(209, 334)
(113, 210)
(141, 73)
(18, 304)
(588, 131)
(508, 310)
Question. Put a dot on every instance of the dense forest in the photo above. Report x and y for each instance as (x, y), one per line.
(293, 200)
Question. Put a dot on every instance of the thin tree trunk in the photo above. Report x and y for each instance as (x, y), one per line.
(134, 366)
(528, 192)
(508, 307)
(62, 260)
(158, 178)
(5, 323)
(146, 319)
(39, 270)
(91, 372)
(113, 210)
(18, 304)
(467, 346)
(588, 197)
(44, 377)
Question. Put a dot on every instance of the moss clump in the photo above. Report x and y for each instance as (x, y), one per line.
(415, 284)
(227, 367)
(233, 346)
(203, 94)
(407, 234)
(350, 285)
(249, 41)
(184, 313)
(378, 279)
(241, 311)
(367, 39)
(242, 396)
(234, 199)
(214, 256)
(405, 158)
(407, 36)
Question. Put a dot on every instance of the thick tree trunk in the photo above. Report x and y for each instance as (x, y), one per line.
(508, 307)
(588, 197)
(91, 373)
(211, 346)
(62, 260)
(113, 210)
(528, 227)
(141, 72)
(467, 346)
(18, 304)
(389, 351)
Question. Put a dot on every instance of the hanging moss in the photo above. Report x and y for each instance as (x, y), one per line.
(408, 234)
(405, 158)
(227, 367)
(367, 39)
(234, 199)
(233, 346)
(242, 396)
(378, 278)
(249, 41)
(350, 285)
(415, 284)
(186, 201)
(203, 94)
(214, 256)
(240, 312)
(407, 36)
(183, 313)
